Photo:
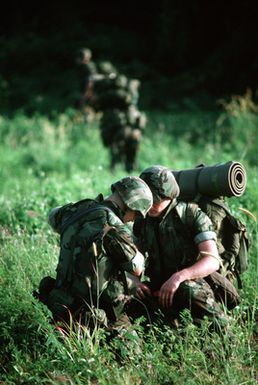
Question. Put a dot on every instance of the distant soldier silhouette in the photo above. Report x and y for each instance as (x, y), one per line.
(89, 70)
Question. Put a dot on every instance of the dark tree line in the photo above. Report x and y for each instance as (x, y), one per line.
(196, 44)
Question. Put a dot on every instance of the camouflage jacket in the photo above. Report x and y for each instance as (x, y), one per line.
(169, 243)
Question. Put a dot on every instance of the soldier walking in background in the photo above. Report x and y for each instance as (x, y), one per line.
(121, 123)
(116, 97)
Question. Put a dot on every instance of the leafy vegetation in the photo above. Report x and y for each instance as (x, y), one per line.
(50, 161)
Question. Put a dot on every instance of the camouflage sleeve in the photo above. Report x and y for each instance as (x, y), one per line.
(113, 220)
(120, 248)
(202, 225)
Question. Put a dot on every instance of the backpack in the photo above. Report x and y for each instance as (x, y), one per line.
(88, 274)
(113, 93)
(232, 238)
(92, 242)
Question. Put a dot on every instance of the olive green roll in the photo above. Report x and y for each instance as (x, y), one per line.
(223, 179)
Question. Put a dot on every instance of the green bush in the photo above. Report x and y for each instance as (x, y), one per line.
(237, 126)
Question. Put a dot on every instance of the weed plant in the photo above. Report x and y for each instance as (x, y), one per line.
(45, 163)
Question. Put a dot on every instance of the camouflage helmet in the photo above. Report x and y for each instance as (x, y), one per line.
(135, 193)
(161, 182)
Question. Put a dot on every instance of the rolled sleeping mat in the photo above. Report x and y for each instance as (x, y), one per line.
(223, 179)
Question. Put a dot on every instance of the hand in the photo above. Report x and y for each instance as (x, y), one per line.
(138, 288)
(142, 291)
(168, 289)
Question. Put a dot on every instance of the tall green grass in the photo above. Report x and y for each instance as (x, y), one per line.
(50, 162)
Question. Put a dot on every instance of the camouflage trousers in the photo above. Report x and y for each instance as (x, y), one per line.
(124, 152)
(203, 297)
(106, 310)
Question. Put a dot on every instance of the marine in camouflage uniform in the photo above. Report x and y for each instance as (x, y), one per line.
(96, 250)
(121, 123)
(182, 255)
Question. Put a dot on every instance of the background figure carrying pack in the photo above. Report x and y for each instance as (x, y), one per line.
(95, 251)
(121, 122)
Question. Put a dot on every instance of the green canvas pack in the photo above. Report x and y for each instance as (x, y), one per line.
(113, 92)
(93, 246)
(89, 220)
(232, 237)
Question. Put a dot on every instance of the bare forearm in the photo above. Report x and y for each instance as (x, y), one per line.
(200, 269)
(208, 263)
